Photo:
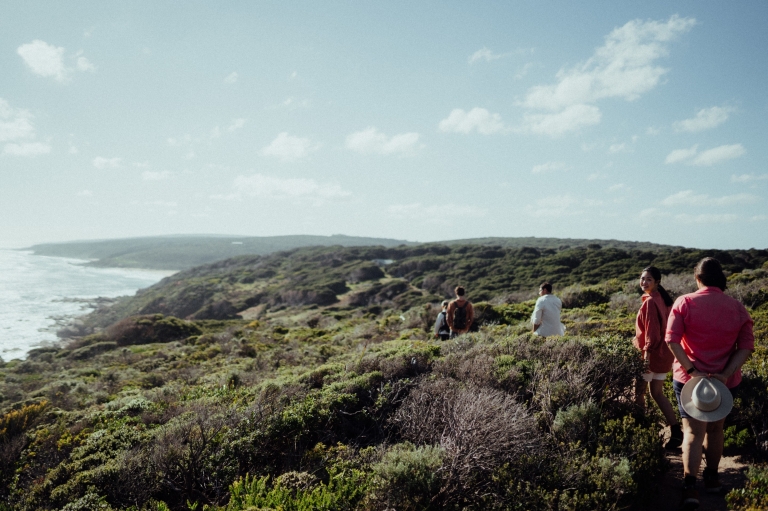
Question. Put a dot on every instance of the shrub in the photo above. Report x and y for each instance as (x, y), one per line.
(150, 328)
(578, 423)
(478, 429)
(578, 296)
(408, 477)
(754, 495)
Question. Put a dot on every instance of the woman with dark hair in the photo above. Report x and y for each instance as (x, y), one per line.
(711, 337)
(650, 327)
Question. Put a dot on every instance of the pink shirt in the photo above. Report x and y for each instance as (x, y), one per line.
(710, 326)
(650, 328)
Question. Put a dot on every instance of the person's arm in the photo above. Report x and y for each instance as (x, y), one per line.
(449, 315)
(738, 358)
(682, 357)
(536, 316)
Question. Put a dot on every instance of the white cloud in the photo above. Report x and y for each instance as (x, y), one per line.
(236, 124)
(83, 64)
(231, 77)
(705, 119)
(371, 140)
(485, 54)
(288, 148)
(748, 178)
(26, 149)
(652, 131)
(624, 67)
(619, 148)
(47, 60)
(275, 188)
(690, 198)
(15, 124)
(150, 175)
(480, 119)
(759, 218)
(707, 218)
(107, 163)
(44, 59)
(571, 118)
(718, 154)
(521, 72)
(434, 214)
(549, 166)
(679, 155)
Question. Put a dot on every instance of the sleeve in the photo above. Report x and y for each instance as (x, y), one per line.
(652, 330)
(449, 315)
(640, 327)
(537, 312)
(746, 338)
(676, 322)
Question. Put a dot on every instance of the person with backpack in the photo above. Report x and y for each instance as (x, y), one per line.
(442, 330)
(460, 313)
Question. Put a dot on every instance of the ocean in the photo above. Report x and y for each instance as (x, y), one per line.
(38, 294)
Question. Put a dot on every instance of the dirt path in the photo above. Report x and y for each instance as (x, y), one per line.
(668, 495)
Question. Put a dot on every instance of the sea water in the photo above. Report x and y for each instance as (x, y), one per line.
(37, 293)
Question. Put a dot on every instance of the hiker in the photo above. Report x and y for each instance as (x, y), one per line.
(442, 330)
(711, 337)
(546, 313)
(460, 313)
(650, 328)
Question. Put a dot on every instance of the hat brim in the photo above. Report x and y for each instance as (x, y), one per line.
(726, 400)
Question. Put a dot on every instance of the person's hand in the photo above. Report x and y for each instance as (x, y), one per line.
(719, 376)
(646, 356)
(700, 373)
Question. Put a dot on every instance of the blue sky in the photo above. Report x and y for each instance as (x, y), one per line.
(413, 120)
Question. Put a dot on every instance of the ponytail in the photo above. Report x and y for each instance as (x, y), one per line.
(668, 301)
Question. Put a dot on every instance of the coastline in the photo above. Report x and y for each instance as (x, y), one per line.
(44, 297)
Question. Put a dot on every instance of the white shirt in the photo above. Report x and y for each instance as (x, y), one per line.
(547, 313)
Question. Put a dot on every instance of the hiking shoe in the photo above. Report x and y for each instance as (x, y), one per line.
(675, 439)
(711, 481)
(690, 499)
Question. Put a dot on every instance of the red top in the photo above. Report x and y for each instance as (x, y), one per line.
(649, 332)
(710, 326)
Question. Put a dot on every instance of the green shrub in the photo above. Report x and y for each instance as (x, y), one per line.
(754, 495)
(408, 477)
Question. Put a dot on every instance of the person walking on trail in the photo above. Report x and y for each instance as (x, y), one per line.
(650, 328)
(460, 313)
(711, 337)
(546, 313)
(442, 330)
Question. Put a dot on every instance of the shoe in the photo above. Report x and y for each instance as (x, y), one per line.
(675, 439)
(711, 481)
(690, 499)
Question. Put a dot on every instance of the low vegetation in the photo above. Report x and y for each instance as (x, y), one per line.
(299, 402)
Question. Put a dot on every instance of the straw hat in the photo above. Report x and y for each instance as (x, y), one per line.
(706, 399)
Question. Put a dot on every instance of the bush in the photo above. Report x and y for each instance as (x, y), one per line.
(408, 477)
(150, 328)
(754, 495)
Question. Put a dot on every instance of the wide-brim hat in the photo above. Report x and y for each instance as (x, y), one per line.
(706, 399)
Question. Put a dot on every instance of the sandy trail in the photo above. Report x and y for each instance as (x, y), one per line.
(668, 494)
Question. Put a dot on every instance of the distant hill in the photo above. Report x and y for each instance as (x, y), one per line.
(182, 252)
(371, 279)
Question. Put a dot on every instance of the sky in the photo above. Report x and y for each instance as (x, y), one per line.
(422, 121)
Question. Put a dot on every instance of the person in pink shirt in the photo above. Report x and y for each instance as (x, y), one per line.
(711, 336)
(650, 328)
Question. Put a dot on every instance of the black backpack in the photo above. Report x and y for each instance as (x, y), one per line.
(459, 317)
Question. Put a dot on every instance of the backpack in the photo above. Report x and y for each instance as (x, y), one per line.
(459, 317)
(443, 328)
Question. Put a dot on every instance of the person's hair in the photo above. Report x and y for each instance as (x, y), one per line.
(445, 303)
(460, 290)
(710, 273)
(547, 286)
(656, 274)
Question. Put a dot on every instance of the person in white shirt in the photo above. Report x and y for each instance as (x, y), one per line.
(546, 313)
